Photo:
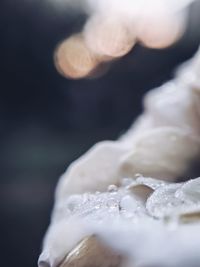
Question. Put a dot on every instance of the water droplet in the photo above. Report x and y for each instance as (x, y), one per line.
(129, 204)
(112, 188)
(137, 175)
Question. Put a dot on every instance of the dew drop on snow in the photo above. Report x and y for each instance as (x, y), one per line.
(190, 191)
(129, 204)
(112, 188)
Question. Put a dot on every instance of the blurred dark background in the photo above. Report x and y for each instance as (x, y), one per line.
(47, 121)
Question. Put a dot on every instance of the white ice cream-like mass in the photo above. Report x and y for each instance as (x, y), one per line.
(147, 232)
(149, 222)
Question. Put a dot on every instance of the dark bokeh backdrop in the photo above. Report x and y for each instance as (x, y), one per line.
(47, 121)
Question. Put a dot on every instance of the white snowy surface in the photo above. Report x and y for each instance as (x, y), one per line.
(149, 232)
(152, 222)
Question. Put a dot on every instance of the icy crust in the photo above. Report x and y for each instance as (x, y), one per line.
(140, 197)
(144, 219)
(116, 202)
(175, 200)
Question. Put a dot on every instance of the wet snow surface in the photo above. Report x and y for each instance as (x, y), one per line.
(151, 221)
